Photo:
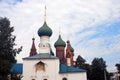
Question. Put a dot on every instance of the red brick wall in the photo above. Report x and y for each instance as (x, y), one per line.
(60, 52)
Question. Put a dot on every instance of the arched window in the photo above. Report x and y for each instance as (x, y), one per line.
(44, 79)
(43, 45)
(33, 79)
(40, 66)
(64, 78)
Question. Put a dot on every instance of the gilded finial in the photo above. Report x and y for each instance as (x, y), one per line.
(45, 14)
(59, 31)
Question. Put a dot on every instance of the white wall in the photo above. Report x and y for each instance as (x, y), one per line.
(74, 76)
(52, 69)
(51, 73)
(44, 45)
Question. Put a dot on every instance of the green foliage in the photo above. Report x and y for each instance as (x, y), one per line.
(118, 67)
(79, 63)
(7, 50)
(87, 67)
(99, 63)
(16, 76)
(98, 69)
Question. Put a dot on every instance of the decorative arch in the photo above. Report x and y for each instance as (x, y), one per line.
(40, 66)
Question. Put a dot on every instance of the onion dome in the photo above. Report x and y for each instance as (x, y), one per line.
(59, 42)
(45, 30)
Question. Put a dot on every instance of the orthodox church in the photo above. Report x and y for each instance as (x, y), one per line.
(47, 65)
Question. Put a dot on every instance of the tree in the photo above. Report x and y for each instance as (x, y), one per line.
(98, 69)
(87, 67)
(118, 68)
(79, 63)
(7, 50)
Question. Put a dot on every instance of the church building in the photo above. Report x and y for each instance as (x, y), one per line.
(49, 65)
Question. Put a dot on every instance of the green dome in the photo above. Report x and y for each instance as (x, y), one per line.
(44, 30)
(59, 42)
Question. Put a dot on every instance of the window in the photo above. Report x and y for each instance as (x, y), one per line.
(33, 79)
(64, 78)
(40, 45)
(40, 66)
(44, 79)
(43, 45)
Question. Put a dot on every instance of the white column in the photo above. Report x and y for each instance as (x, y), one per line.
(68, 62)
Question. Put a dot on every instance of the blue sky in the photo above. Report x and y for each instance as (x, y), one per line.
(92, 26)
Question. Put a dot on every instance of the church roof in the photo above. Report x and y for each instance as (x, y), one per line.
(69, 69)
(17, 68)
(33, 49)
(41, 56)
